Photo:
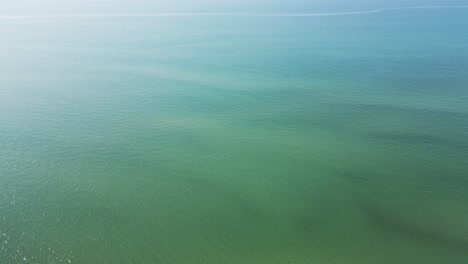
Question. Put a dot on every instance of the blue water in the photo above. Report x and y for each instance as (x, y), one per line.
(235, 139)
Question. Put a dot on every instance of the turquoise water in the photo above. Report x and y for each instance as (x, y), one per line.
(235, 139)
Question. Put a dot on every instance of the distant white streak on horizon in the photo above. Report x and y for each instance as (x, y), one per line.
(73, 15)
(368, 11)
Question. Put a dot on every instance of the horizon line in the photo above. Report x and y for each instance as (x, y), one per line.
(72, 15)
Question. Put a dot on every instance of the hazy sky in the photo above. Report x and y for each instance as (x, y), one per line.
(208, 5)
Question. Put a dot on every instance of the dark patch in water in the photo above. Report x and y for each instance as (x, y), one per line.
(379, 108)
(387, 222)
(415, 138)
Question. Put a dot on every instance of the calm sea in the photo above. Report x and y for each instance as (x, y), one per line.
(235, 139)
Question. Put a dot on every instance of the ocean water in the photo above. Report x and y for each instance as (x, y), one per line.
(235, 139)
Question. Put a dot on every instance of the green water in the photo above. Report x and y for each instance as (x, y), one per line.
(227, 139)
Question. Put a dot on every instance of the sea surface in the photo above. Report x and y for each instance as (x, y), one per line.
(235, 139)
